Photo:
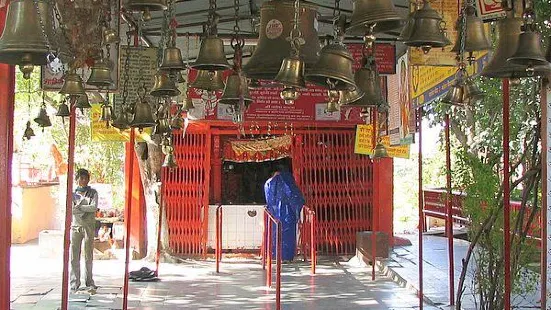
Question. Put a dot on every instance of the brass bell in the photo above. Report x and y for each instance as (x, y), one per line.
(365, 13)
(369, 84)
(334, 68)
(333, 102)
(164, 86)
(172, 60)
(72, 86)
(63, 110)
(188, 104)
(83, 102)
(426, 32)
(170, 161)
(29, 132)
(208, 80)
(143, 116)
(162, 126)
(456, 94)
(100, 75)
(211, 55)
(106, 113)
(179, 78)
(289, 95)
(409, 25)
(348, 97)
(530, 54)
(26, 69)
(121, 122)
(236, 88)
(43, 120)
(471, 92)
(476, 38)
(145, 5)
(23, 41)
(291, 73)
(276, 20)
(110, 36)
(379, 151)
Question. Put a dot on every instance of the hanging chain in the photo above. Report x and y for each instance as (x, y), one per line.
(295, 36)
(70, 49)
(141, 82)
(338, 22)
(126, 72)
(211, 21)
(237, 41)
(236, 28)
(463, 37)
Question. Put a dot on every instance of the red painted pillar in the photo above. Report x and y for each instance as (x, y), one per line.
(216, 170)
(7, 88)
(138, 237)
(383, 186)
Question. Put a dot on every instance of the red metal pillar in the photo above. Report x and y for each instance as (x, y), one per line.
(420, 206)
(216, 170)
(7, 88)
(128, 222)
(449, 221)
(543, 223)
(506, 197)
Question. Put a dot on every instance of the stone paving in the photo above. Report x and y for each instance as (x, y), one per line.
(193, 284)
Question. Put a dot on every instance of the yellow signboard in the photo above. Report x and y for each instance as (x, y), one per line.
(364, 143)
(102, 133)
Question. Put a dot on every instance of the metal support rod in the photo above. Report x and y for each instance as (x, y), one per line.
(278, 264)
(159, 225)
(449, 220)
(128, 221)
(375, 203)
(269, 245)
(313, 242)
(219, 222)
(263, 247)
(545, 201)
(421, 224)
(68, 208)
(506, 198)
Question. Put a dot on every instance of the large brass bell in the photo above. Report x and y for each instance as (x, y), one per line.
(291, 73)
(530, 54)
(72, 86)
(63, 110)
(172, 59)
(380, 151)
(456, 94)
(29, 132)
(100, 75)
(164, 86)
(43, 120)
(23, 41)
(365, 13)
(211, 55)
(476, 38)
(145, 5)
(369, 84)
(426, 32)
(121, 122)
(347, 97)
(409, 25)
(334, 68)
(143, 116)
(276, 23)
(236, 88)
(208, 80)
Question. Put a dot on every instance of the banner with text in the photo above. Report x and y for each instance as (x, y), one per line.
(102, 133)
(364, 143)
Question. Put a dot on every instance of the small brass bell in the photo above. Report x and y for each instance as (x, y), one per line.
(72, 86)
(471, 92)
(334, 68)
(369, 84)
(211, 55)
(333, 103)
(164, 86)
(83, 102)
(236, 88)
(29, 132)
(188, 104)
(121, 122)
(289, 95)
(172, 60)
(530, 54)
(26, 69)
(456, 94)
(180, 78)
(476, 38)
(63, 110)
(208, 80)
(426, 32)
(365, 13)
(110, 36)
(100, 75)
(43, 120)
(145, 5)
(143, 116)
(170, 161)
(380, 151)
(106, 113)
(23, 40)
(291, 73)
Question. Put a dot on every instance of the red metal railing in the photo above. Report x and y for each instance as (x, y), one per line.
(266, 252)
(219, 222)
(308, 236)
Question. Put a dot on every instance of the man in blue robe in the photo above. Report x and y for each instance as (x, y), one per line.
(284, 200)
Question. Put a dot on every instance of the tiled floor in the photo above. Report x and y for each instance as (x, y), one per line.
(193, 284)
